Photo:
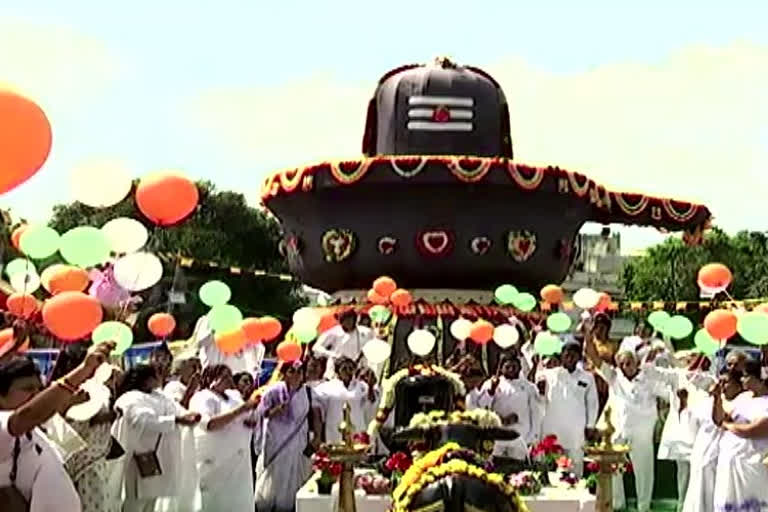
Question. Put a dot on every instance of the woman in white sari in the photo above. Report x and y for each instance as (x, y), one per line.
(283, 467)
(150, 422)
(741, 482)
(223, 442)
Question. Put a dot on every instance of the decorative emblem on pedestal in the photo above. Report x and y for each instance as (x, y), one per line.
(480, 245)
(387, 245)
(338, 245)
(436, 243)
(521, 245)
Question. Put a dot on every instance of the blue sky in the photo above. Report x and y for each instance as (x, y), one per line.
(230, 90)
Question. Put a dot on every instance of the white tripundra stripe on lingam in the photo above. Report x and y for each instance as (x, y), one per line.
(427, 113)
(445, 101)
(428, 126)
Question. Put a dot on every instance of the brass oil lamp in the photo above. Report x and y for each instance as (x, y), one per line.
(348, 453)
(608, 456)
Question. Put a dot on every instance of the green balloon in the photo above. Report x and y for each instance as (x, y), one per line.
(558, 322)
(525, 302)
(677, 327)
(379, 314)
(225, 318)
(304, 334)
(505, 294)
(39, 242)
(20, 265)
(118, 332)
(705, 343)
(547, 344)
(657, 319)
(215, 293)
(753, 327)
(85, 247)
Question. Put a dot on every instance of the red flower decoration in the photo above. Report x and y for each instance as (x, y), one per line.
(361, 438)
(398, 462)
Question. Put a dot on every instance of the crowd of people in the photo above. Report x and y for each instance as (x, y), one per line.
(182, 435)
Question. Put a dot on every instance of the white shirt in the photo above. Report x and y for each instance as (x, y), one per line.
(516, 396)
(336, 343)
(332, 396)
(40, 471)
(175, 390)
(633, 401)
(476, 398)
(571, 402)
(248, 360)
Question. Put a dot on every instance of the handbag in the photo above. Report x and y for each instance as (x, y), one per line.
(10, 496)
(115, 449)
(148, 463)
(309, 450)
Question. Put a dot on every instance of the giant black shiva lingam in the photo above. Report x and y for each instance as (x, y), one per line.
(437, 201)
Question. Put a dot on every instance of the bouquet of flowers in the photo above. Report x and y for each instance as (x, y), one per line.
(329, 470)
(548, 451)
(526, 483)
(397, 464)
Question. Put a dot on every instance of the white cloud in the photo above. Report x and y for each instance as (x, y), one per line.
(692, 126)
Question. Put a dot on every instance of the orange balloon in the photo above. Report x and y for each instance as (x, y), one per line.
(715, 275)
(327, 321)
(270, 328)
(721, 324)
(67, 279)
(288, 351)
(481, 332)
(384, 286)
(762, 308)
(22, 305)
(252, 329)
(161, 324)
(16, 235)
(166, 198)
(72, 315)
(552, 293)
(25, 139)
(401, 297)
(231, 342)
(7, 341)
(375, 298)
(604, 302)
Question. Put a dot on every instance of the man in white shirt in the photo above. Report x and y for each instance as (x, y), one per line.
(517, 403)
(571, 404)
(345, 340)
(339, 391)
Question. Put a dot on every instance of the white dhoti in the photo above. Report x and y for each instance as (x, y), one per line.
(640, 438)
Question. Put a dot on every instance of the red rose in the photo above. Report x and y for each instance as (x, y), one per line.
(335, 469)
(593, 467)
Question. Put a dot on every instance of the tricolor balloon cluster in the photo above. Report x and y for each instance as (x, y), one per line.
(232, 332)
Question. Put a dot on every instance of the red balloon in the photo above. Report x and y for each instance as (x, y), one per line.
(231, 342)
(552, 293)
(270, 328)
(715, 276)
(375, 298)
(16, 236)
(721, 324)
(25, 139)
(166, 198)
(161, 324)
(384, 286)
(288, 351)
(327, 321)
(481, 332)
(22, 305)
(72, 315)
(401, 297)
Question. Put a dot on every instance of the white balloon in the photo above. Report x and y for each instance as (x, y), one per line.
(307, 318)
(421, 342)
(125, 235)
(586, 298)
(460, 329)
(103, 373)
(505, 335)
(377, 351)
(138, 271)
(25, 282)
(100, 183)
(98, 399)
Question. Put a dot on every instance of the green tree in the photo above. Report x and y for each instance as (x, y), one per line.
(668, 271)
(223, 229)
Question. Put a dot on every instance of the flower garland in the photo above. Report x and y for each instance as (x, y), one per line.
(389, 385)
(433, 466)
(482, 418)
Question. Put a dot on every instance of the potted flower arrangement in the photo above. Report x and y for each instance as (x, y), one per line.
(526, 483)
(396, 465)
(328, 470)
(545, 454)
